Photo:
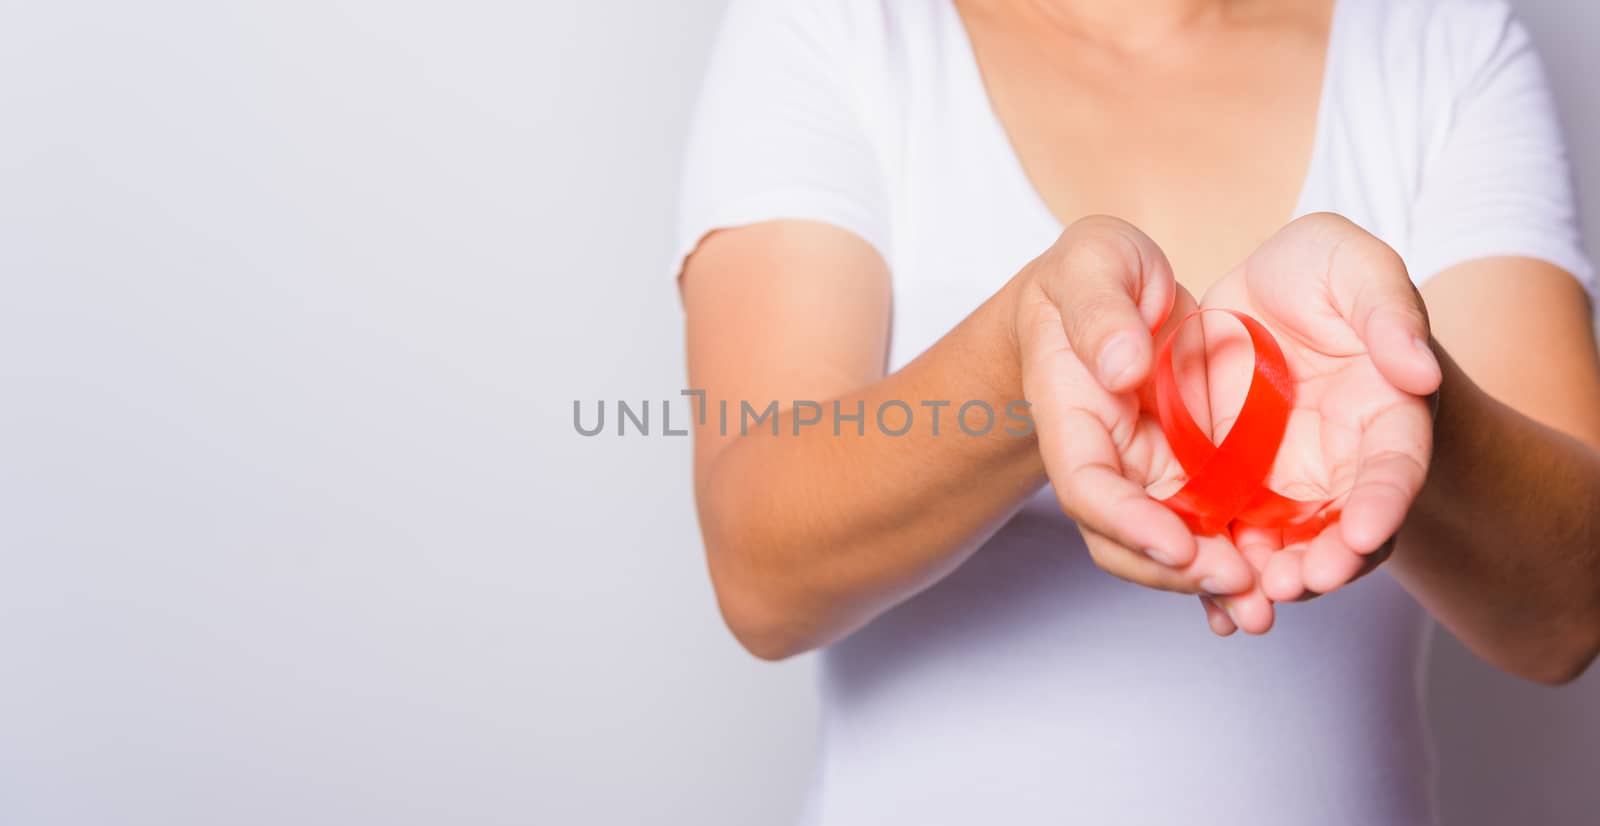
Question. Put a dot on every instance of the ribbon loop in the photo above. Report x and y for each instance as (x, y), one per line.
(1227, 482)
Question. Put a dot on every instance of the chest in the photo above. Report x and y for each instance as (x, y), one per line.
(1203, 142)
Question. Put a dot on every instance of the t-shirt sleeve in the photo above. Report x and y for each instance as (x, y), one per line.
(1499, 185)
(777, 132)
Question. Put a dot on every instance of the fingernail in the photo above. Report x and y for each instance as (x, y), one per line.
(1218, 626)
(1117, 359)
(1160, 556)
(1211, 586)
(1227, 608)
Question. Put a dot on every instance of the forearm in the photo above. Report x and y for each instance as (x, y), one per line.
(1503, 543)
(810, 533)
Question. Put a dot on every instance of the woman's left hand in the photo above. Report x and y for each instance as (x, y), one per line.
(1355, 335)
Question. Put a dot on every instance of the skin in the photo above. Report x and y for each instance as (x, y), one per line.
(1492, 503)
(1355, 336)
(1132, 109)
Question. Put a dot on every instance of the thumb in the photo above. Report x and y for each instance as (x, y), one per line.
(1389, 317)
(1112, 286)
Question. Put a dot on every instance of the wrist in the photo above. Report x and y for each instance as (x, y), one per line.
(1458, 410)
(1023, 304)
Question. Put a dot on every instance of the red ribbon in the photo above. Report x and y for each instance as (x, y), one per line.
(1227, 482)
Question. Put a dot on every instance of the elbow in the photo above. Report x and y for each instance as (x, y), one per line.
(772, 651)
(1560, 673)
(766, 578)
(1566, 663)
(760, 630)
(758, 604)
(762, 618)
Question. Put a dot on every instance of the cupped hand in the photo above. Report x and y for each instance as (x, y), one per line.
(1084, 330)
(1355, 334)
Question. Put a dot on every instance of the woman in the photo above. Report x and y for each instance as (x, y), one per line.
(894, 205)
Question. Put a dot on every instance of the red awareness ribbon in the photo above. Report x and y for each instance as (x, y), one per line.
(1227, 482)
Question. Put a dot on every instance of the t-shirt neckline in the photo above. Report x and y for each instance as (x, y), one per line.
(971, 76)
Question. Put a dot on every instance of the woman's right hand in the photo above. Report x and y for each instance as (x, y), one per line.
(1088, 317)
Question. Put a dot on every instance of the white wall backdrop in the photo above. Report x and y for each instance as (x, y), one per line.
(294, 526)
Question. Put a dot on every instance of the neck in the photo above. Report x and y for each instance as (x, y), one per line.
(1126, 21)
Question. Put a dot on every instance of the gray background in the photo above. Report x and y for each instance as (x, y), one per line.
(293, 521)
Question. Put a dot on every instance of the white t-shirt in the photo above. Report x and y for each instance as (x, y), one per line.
(1027, 687)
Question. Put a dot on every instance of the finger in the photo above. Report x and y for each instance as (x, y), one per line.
(1256, 542)
(1402, 352)
(1264, 549)
(1251, 611)
(1366, 564)
(1282, 577)
(1217, 618)
(1247, 608)
(1133, 566)
(1386, 312)
(1218, 568)
(1329, 563)
(1079, 453)
(1113, 286)
(1092, 490)
(1391, 467)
